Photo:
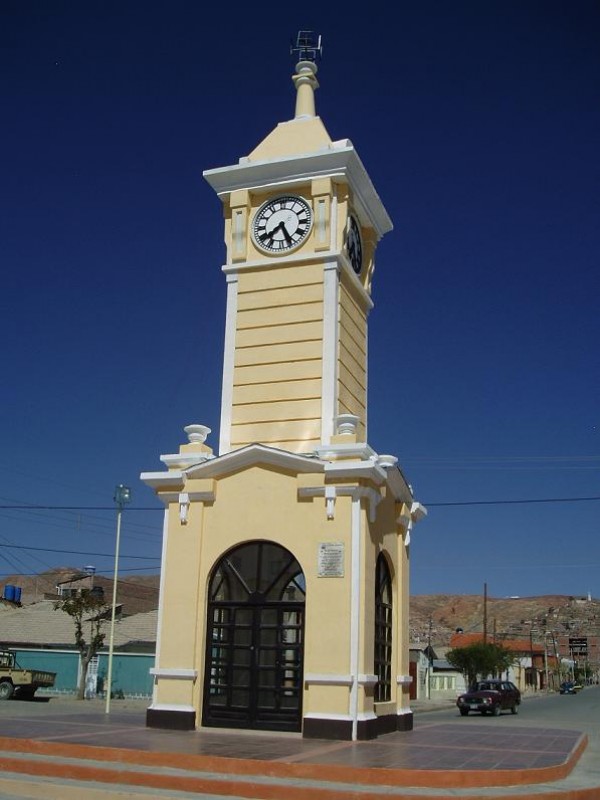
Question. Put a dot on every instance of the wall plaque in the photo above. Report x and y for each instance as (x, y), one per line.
(331, 560)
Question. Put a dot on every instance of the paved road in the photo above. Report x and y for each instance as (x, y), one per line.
(578, 711)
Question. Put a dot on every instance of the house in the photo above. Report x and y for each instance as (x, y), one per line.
(43, 637)
(534, 667)
(433, 678)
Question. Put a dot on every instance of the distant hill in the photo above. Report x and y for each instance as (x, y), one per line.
(513, 617)
(508, 616)
(137, 593)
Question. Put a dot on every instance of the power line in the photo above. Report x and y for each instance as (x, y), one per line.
(452, 503)
(30, 507)
(76, 552)
(513, 502)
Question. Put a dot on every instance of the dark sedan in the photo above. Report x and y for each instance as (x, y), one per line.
(490, 697)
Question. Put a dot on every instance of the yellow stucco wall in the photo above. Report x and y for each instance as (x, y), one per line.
(262, 503)
(352, 359)
(276, 395)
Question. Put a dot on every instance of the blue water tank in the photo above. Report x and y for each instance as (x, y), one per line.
(9, 593)
(17, 594)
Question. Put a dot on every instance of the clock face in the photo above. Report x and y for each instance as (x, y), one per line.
(354, 245)
(282, 223)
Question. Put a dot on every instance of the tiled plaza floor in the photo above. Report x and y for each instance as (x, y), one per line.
(436, 755)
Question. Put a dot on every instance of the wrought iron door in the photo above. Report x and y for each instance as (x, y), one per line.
(255, 640)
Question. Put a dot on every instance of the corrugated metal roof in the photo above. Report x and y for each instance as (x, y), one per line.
(41, 624)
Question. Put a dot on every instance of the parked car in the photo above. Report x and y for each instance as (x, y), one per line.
(569, 687)
(490, 697)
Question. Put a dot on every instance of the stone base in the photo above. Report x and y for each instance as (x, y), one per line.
(404, 722)
(171, 720)
(341, 730)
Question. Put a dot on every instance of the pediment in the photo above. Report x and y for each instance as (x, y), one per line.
(255, 455)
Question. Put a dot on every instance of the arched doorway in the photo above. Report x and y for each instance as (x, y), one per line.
(255, 640)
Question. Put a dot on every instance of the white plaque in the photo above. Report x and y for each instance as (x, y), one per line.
(331, 560)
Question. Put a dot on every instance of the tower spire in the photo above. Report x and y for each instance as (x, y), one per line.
(308, 50)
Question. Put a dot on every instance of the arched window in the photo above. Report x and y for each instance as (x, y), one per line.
(255, 639)
(383, 631)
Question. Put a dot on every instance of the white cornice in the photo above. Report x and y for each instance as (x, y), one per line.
(340, 162)
(184, 460)
(185, 674)
(163, 480)
(361, 450)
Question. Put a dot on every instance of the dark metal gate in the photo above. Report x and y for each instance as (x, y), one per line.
(255, 640)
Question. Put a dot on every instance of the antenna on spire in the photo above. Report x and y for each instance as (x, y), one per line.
(307, 51)
(307, 46)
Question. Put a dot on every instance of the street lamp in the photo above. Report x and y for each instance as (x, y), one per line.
(121, 498)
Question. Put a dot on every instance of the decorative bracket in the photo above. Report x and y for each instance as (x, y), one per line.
(330, 495)
(184, 505)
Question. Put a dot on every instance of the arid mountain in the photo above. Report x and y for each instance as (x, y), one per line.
(436, 617)
(433, 617)
(136, 593)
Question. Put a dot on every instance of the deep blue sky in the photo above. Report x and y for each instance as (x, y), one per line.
(479, 123)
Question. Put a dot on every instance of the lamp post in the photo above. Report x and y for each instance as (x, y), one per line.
(121, 498)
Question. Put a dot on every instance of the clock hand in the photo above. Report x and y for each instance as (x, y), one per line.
(281, 227)
(288, 238)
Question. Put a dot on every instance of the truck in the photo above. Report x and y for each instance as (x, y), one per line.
(14, 680)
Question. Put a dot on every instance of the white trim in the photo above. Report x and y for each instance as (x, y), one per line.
(329, 374)
(333, 217)
(356, 469)
(328, 680)
(186, 674)
(170, 707)
(169, 497)
(355, 573)
(403, 711)
(254, 454)
(162, 480)
(404, 680)
(181, 461)
(418, 511)
(228, 364)
(161, 595)
(367, 680)
(337, 161)
(331, 492)
(302, 257)
(361, 451)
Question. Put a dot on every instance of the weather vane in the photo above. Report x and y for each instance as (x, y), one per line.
(307, 46)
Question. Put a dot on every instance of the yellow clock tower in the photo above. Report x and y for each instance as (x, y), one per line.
(302, 222)
(284, 586)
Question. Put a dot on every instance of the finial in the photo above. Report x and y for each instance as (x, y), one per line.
(308, 50)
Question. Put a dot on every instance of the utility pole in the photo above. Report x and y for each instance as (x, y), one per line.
(429, 660)
(485, 613)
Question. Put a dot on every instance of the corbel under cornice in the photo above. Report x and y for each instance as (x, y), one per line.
(331, 493)
(163, 480)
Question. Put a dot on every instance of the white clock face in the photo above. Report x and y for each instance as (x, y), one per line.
(282, 223)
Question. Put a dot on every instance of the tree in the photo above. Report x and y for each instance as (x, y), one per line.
(480, 659)
(85, 607)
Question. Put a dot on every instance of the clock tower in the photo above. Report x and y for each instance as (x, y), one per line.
(302, 221)
(284, 579)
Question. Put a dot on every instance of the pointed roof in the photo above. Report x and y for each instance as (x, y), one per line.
(299, 150)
